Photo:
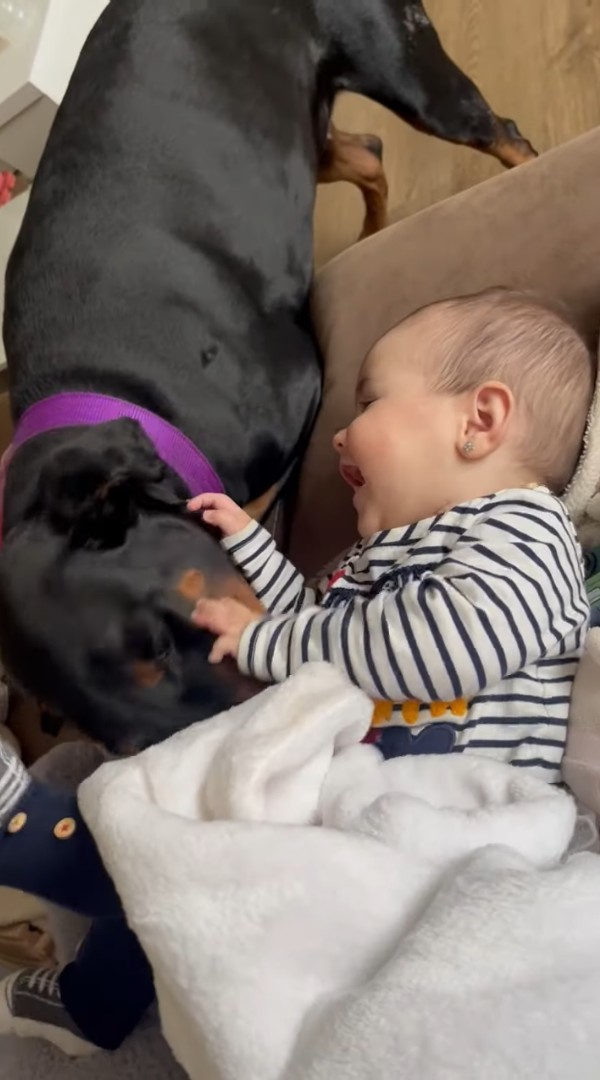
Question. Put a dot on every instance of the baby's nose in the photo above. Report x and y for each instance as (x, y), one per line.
(339, 441)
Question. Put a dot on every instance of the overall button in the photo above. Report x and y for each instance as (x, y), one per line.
(17, 823)
(65, 828)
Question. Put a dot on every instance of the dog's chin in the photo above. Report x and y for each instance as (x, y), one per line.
(212, 690)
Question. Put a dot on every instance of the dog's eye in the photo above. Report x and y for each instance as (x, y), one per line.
(147, 637)
(154, 651)
(50, 723)
(165, 652)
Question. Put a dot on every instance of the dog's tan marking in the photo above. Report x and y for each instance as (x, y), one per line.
(510, 148)
(191, 586)
(351, 158)
(512, 154)
(147, 673)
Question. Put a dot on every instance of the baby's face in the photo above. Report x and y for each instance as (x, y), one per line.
(400, 453)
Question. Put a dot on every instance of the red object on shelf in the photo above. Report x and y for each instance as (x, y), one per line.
(7, 186)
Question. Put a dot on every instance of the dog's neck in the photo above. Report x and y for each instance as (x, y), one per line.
(78, 409)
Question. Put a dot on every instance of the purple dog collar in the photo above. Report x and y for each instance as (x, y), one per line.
(74, 409)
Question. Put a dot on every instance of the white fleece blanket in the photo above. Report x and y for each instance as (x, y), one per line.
(313, 913)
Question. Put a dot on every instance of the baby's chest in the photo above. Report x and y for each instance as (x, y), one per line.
(349, 584)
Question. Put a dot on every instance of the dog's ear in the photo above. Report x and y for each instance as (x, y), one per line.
(93, 487)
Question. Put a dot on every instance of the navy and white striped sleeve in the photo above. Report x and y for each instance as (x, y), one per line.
(507, 595)
(277, 584)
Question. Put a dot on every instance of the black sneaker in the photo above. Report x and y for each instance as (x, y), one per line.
(31, 1007)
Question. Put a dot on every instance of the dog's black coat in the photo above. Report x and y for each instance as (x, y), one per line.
(166, 258)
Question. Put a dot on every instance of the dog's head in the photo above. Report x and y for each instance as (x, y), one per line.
(99, 572)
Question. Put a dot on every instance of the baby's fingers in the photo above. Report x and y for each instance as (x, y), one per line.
(203, 502)
(210, 615)
(213, 517)
(223, 646)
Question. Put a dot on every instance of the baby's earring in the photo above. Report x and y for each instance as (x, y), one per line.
(468, 447)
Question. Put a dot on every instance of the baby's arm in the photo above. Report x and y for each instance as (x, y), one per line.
(490, 608)
(45, 846)
(276, 582)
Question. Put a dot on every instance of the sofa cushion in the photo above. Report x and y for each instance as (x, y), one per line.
(536, 227)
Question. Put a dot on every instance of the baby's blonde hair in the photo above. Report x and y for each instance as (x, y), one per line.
(529, 344)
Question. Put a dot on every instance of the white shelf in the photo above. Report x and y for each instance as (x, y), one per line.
(35, 75)
(63, 33)
(11, 217)
(33, 80)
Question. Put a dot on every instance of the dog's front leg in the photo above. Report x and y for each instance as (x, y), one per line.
(394, 56)
(357, 159)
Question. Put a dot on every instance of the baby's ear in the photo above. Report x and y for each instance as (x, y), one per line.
(93, 487)
(486, 421)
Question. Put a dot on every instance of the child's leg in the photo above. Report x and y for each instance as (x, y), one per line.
(45, 846)
(96, 1001)
(109, 985)
(46, 849)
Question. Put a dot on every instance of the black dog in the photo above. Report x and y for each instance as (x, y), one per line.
(165, 260)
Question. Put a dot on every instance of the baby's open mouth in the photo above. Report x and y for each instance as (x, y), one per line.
(351, 475)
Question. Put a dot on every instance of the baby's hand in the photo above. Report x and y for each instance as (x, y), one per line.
(227, 619)
(220, 511)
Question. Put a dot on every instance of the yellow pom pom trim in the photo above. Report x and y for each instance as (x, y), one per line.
(382, 713)
(410, 711)
(382, 710)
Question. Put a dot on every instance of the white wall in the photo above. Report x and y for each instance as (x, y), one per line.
(11, 217)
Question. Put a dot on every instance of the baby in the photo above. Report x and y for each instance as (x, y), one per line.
(462, 611)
